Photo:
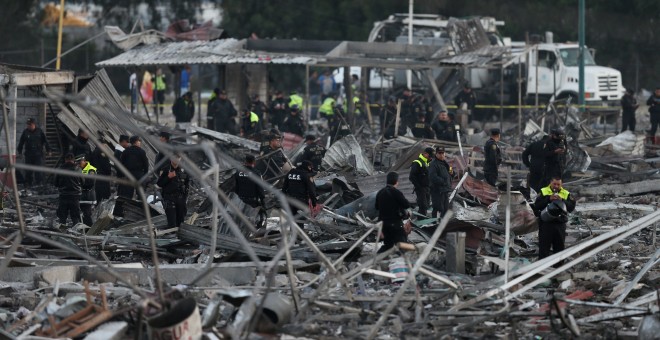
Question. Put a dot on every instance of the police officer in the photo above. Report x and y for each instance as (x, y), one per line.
(70, 189)
(103, 165)
(654, 110)
(388, 118)
(421, 129)
(34, 140)
(628, 107)
(88, 194)
(258, 107)
(298, 185)
(249, 123)
(224, 112)
(552, 206)
(493, 157)
(278, 110)
(135, 160)
(294, 122)
(273, 159)
(313, 152)
(295, 99)
(391, 206)
(79, 145)
(327, 108)
(440, 181)
(534, 158)
(246, 188)
(554, 150)
(123, 144)
(174, 183)
(419, 177)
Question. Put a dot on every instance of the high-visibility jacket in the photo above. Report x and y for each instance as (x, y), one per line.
(160, 83)
(328, 106)
(356, 104)
(295, 99)
(254, 118)
(547, 191)
(88, 168)
(88, 193)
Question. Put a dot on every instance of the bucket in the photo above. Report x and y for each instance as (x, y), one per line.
(399, 268)
(182, 321)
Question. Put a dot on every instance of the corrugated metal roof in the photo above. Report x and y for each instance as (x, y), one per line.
(225, 51)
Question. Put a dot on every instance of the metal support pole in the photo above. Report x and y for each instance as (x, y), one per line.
(536, 60)
(308, 111)
(410, 37)
(581, 24)
(520, 99)
(59, 36)
(501, 97)
(507, 237)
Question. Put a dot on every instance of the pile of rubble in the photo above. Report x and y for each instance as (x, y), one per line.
(473, 274)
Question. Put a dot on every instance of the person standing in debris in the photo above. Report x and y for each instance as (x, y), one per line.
(391, 206)
(466, 100)
(88, 194)
(299, 186)
(249, 124)
(225, 114)
(273, 159)
(493, 157)
(103, 167)
(654, 110)
(421, 129)
(164, 137)
(555, 149)
(246, 188)
(79, 145)
(295, 99)
(260, 108)
(327, 109)
(133, 87)
(444, 127)
(313, 152)
(278, 110)
(440, 181)
(327, 84)
(419, 177)
(174, 183)
(159, 91)
(552, 205)
(70, 189)
(294, 122)
(184, 108)
(628, 107)
(134, 159)
(534, 158)
(388, 118)
(211, 109)
(35, 142)
(119, 148)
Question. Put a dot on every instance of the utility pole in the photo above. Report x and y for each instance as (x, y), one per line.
(581, 22)
(59, 35)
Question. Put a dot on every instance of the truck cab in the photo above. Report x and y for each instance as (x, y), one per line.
(558, 74)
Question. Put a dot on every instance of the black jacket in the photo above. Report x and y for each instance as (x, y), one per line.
(79, 146)
(88, 192)
(176, 187)
(68, 185)
(269, 166)
(419, 173)
(34, 142)
(391, 204)
(444, 130)
(439, 176)
(493, 156)
(246, 188)
(422, 130)
(135, 160)
(297, 184)
(183, 110)
(534, 156)
(259, 107)
(465, 97)
(314, 153)
(224, 111)
(654, 104)
(293, 124)
(555, 163)
(542, 202)
(629, 104)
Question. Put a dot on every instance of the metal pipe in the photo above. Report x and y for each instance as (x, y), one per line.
(59, 35)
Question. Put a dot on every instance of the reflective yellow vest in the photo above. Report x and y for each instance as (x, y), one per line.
(254, 118)
(328, 106)
(422, 161)
(88, 168)
(160, 83)
(547, 191)
(295, 99)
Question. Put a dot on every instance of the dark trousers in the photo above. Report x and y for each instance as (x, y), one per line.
(87, 213)
(491, 178)
(159, 101)
(551, 236)
(175, 209)
(423, 199)
(628, 121)
(69, 206)
(102, 191)
(124, 191)
(440, 203)
(535, 180)
(655, 120)
(33, 160)
(393, 233)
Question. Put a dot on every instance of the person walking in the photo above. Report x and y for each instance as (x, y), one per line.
(184, 108)
(419, 177)
(493, 157)
(299, 186)
(391, 206)
(440, 182)
(313, 152)
(534, 158)
(33, 139)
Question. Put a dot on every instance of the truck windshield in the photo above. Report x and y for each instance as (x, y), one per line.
(570, 56)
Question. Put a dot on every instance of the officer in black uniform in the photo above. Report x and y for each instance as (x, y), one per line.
(88, 193)
(135, 160)
(422, 129)
(79, 145)
(419, 177)
(278, 110)
(534, 158)
(388, 118)
(174, 183)
(294, 122)
(313, 152)
(552, 205)
(34, 140)
(103, 166)
(391, 206)
(298, 185)
(493, 157)
(440, 181)
(554, 150)
(246, 188)
(70, 189)
(272, 158)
